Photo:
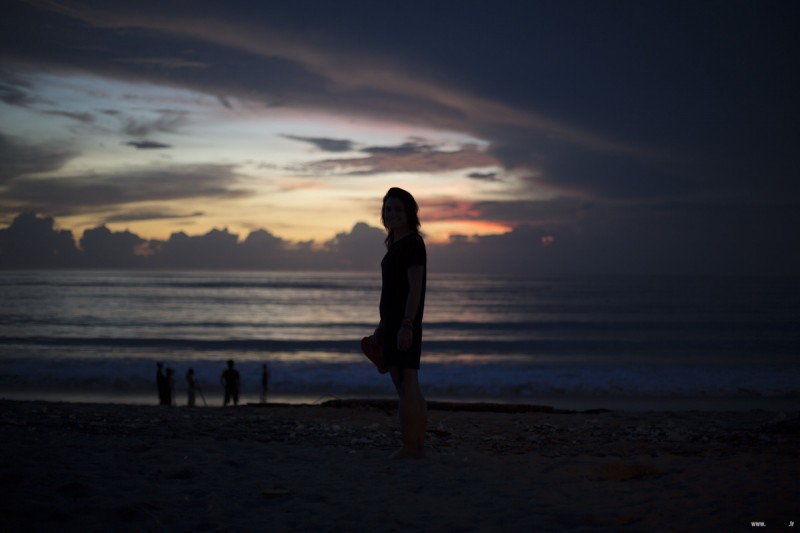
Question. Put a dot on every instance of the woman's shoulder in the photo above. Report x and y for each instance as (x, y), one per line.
(415, 250)
(413, 238)
(416, 238)
(412, 241)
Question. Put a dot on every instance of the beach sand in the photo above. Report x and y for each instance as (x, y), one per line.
(106, 467)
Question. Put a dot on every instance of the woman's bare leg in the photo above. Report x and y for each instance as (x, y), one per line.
(413, 413)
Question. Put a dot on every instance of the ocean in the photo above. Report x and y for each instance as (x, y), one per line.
(634, 343)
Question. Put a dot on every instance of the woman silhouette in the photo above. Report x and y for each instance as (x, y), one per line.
(399, 333)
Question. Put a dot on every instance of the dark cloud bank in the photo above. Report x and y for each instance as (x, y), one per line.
(32, 241)
(610, 248)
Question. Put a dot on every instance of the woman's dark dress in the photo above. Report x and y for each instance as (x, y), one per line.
(404, 253)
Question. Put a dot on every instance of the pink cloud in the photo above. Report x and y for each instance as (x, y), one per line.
(447, 209)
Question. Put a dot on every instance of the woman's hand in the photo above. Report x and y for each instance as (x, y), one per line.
(405, 336)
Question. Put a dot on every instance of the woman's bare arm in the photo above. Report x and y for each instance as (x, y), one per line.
(404, 336)
(414, 291)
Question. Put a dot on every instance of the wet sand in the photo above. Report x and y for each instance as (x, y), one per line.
(108, 467)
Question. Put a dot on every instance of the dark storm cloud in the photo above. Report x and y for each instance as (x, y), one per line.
(79, 192)
(325, 144)
(147, 145)
(613, 176)
(691, 239)
(562, 211)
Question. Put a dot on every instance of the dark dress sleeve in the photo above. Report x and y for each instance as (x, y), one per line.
(416, 254)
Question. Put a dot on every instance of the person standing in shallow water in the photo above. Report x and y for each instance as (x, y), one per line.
(403, 272)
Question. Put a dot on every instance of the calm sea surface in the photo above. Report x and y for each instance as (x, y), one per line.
(97, 336)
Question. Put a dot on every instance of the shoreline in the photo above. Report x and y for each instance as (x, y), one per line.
(634, 404)
(324, 467)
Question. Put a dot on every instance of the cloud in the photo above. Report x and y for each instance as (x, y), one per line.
(226, 103)
(164, 61)
(560, 214)
(139, 215)
(147, 145)
(612, 176)
(408, 148)
(443, 209)
(409, 157)
(82, 192)
(215, 249)
(102, 248)
(20, 159)
(34, 242)
(168, 121)
(85, 118)
(620, 131)
(325, 144)
(312, 69)
(672, 240)
(558, 211)
(16, 91)
(359, 249)
(483, 176)
(611, 242)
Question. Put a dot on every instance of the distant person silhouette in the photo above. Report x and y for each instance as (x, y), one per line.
(161, 383)
(169, 388)
(191, 387)
(264, 382)
(396, 345)
(232, 383)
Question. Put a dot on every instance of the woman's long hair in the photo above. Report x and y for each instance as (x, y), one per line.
(411, 209)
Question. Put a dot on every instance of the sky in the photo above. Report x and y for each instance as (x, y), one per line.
(542, 137)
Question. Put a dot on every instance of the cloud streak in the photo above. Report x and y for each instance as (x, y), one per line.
(90, 191)
(351, 80)
(169, 121)
(148, 145)
(409, 157)
(22, 159)
(325, 144)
